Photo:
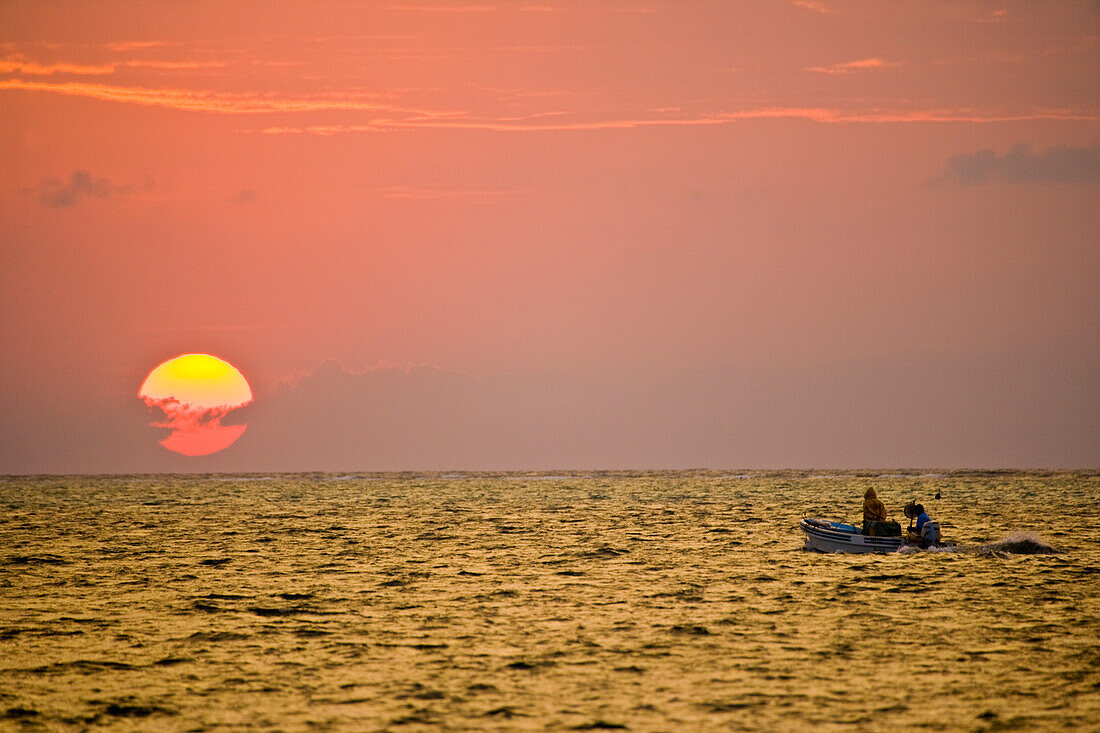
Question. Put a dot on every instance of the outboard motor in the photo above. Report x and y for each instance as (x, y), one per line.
(930, 534)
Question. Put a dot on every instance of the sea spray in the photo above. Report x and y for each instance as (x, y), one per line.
(1018, 543)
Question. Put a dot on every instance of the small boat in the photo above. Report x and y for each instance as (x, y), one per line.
(825, 536)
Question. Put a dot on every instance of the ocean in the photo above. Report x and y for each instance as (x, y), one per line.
(640, 601)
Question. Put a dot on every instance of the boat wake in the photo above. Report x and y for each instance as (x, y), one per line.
(913, 549)
(1017, 543)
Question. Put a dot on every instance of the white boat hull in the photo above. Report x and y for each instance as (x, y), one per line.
(825, 536)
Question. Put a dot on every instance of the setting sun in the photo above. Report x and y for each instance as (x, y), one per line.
(195, 391)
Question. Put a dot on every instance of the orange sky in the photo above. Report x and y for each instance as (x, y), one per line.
(555, 234)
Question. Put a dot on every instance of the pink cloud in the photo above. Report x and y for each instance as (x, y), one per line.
(193, 100)
(19, 64)
(444, 8)
(134, 45)
(379, 110)
(850, 66)
(817, 7)
(441, 192)
(813, 114)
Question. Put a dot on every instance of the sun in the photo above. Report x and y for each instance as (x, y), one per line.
(195, 391)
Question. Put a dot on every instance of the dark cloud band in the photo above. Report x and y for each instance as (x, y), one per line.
(1060, 164)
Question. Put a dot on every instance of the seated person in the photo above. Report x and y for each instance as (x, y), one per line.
(918, 518)
(873, 510)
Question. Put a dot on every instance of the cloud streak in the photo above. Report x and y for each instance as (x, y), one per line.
(445, 193)
(855, 66)
(18, 64)
(192, 100)
(444, 8)
(1061, 164)
(383, 115)
(814, 5)
(810, 114)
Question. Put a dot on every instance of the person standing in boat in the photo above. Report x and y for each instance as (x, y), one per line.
(873, 510)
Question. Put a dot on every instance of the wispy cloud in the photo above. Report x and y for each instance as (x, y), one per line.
(16, 64)
(135, 45)
(854, 66)
(814, 5)
(80, 185)
(1061, 164)
(997, 16)
(812, 114)
(430, 192)
(514, 93)
(19, 64)
(444, 8)
(378, 111)
(208, 101)
(487, 8)
(173, 65)
(62, 194)
(333, 367)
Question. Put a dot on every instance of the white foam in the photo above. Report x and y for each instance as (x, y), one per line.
(1022, 543)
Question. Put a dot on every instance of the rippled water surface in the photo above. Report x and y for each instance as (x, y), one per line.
(643, 602)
